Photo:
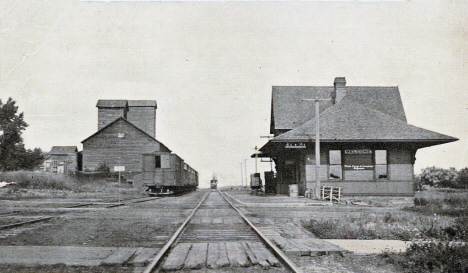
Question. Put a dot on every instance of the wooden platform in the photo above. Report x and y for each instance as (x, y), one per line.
(76, 256)
(306, 246)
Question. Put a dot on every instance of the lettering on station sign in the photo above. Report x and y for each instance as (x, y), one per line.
(358, 152)
(358, 167)
(296, 145)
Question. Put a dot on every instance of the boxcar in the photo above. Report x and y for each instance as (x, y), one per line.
(167, 173)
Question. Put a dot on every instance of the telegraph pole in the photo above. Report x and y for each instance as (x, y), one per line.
(245, 170)
(318, 184)
(256, 157)
(242, 177)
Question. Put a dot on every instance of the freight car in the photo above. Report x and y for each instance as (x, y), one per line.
(167, 173)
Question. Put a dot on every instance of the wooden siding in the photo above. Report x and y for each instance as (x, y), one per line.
(144, 118)
(108, 115)
(310, 173)
(107, 148)
(70, 161)
(373, 188)
(177, 174)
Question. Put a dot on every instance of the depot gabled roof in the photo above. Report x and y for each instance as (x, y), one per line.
(349, 120)
(289, 111)
(133, 125)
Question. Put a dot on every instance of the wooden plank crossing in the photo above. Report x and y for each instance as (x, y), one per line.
(219, 254)
(306, 246)
(196, 257)
(176, 259)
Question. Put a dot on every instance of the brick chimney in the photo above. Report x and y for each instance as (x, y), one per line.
(340, 89)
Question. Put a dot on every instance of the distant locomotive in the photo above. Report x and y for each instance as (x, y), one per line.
(214, 183)
(167, 173)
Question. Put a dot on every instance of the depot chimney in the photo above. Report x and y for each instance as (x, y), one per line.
(339, 91)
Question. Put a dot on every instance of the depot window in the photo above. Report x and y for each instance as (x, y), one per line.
(381, 164)
(358, 165)
(157, 161)
(335, 171)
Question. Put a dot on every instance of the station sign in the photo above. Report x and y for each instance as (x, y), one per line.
(358, 167)
(358, 152)
(119, 168)
(295, 145)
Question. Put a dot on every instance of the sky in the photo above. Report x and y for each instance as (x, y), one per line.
(211, 67)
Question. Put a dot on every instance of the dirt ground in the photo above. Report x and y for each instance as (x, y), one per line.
(288, 222)
(146, 224)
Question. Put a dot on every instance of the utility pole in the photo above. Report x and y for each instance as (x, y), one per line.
(245, 170)
(318, 184)
(256, 157)
(242, 177)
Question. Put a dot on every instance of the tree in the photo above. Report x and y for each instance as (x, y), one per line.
(439, 177)
(31, 159)
(13, 155)
(463, 178)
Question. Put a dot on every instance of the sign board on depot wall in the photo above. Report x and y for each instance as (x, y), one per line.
(119, 168)
(358, 167)
(296, 145)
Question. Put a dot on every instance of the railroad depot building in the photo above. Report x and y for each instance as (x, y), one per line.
(366, 145)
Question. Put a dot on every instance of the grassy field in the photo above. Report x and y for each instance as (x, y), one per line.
(437, 225)
(30, 184)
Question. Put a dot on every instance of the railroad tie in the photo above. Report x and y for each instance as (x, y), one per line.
(213, 254)
(196, 257)
(237, 255)
(177, 257)
(250, 254)
(264, 253)
(119, 257)
(143, 256)
(223, 259)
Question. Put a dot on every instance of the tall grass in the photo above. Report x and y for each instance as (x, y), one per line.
(53, 181)
(39, 180)
(441, 202)
(397, 225)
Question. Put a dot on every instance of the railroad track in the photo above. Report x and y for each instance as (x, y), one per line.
(28, 220)
(217, 235)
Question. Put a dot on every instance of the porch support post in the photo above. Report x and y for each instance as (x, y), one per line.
(317, 150)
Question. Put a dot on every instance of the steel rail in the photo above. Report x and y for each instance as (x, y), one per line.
(174, 237)
(278, 253)
(26, 222)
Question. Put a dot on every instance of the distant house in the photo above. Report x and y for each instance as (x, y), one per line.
(126, 131)
(367, 146)
(62, 159)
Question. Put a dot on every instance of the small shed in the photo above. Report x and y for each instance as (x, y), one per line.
(62, 159)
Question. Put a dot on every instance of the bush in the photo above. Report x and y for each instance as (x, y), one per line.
(438, 177)
(463, 178)
(432, 256)
(103, 168)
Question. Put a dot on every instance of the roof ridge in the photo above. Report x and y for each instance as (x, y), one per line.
(119, 118)
(300, 130)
